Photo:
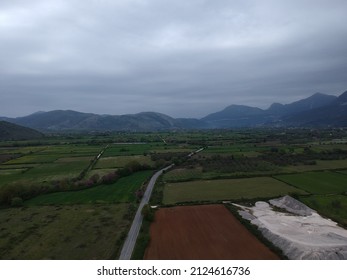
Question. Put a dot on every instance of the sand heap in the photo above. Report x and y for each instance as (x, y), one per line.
(299, 231)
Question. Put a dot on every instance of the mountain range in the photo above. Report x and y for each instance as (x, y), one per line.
(318, 110)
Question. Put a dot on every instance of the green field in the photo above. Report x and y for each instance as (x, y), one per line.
(229, 189)
(79, 232)
(332, 206)
(121, 191)
(130, 149)
(122, 161)
(59, 220)
(324, 182)
(62, 168)
(320, 165)
(36, 158)
(183, 174)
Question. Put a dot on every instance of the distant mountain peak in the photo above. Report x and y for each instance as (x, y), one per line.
(316, 110)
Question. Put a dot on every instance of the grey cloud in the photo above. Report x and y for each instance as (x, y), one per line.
(183, 58)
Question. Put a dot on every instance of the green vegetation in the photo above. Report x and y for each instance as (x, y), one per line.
(332, 206)
(68, 232)
(317, 182)
(121, 191)
(230, 189)
(122, 161)
(73, 196)
(183, 174)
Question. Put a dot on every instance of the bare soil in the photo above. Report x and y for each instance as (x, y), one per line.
(202, 233)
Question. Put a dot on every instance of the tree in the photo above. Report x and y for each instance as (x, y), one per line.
(148, 213)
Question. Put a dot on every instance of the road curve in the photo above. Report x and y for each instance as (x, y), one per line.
(130, 241)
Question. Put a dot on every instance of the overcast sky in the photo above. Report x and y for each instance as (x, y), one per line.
(178, 57)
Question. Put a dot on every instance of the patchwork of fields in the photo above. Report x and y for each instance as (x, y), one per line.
(71, 198)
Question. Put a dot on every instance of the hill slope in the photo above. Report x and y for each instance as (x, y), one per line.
(334, 114)
(244, 116)
(61, 120)
(10, 131)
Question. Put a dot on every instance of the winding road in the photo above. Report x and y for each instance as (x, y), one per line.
(130, 241)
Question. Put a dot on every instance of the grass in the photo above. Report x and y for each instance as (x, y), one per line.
(320, 165)
(4, 172)
(183, 174)
(62, 168)
(36, 158)
(73, 150)
(332, 206)
(121, 191)
(324, 182)
(121, 161)
(68, 232)
(230, 189)
(128, 149)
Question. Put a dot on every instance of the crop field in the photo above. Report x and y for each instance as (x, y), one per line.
(202, 232)
(183, 174)
(59, 200)
(130, 149)
(320, 165)
(318, 182)
(38, 158)
(122, 161)
(61, 168)
(121, 191)
(66, 223)
(64, 232)
(145, 148)
(227, 189)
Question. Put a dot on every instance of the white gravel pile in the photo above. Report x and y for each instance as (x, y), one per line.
(302, 233)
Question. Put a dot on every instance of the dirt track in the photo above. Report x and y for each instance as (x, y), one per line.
(202, 232)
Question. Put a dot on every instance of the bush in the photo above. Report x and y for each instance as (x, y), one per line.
(16, 202)
(148, 213)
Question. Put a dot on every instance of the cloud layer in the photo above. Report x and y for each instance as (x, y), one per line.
(182, 58)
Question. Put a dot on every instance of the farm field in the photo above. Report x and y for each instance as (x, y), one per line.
(320, 165)
(78, 232)
(183, 174)
(122, 161)
(121, 191)
(54, 190)
(227, 189)
(202, 232)
(324, 182)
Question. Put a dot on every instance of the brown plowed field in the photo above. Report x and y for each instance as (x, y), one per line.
(206, 232)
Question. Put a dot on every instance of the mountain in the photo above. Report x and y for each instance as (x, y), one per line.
(53, 120)
(61, 120)
(245, 116)
(10, 131)
(235, 116)
(333, 114)
(318, 110)
(316, 100)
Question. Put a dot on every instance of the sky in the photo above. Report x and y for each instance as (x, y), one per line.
(181, 58)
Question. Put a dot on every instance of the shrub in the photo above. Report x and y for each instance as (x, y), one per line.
(148, 213)
(16, 202)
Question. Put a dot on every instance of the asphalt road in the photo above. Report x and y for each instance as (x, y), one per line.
(130, 241)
